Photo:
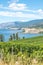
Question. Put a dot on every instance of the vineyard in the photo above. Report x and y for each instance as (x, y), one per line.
(22, 52)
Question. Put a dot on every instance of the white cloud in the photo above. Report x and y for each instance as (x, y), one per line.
(5, 13)
(20, 15)
(40, 11)
(21, 11)
(16, 6)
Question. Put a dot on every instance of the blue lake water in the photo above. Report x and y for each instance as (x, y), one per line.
(7, 33)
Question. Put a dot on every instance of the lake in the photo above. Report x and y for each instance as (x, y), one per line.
(8, 32)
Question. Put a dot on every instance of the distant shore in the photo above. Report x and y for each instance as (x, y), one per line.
(32, 30)
(28, 30)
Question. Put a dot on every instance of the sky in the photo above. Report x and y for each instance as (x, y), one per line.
(20, 10)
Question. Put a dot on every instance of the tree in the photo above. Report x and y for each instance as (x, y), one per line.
(17, 36)
(23, 37)
(1, 38)
(14, 37)
(11, 38)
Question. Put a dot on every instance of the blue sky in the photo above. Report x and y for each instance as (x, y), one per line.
(20, 10)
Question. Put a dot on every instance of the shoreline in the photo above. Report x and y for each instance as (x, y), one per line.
(28, 30)
(32, 30)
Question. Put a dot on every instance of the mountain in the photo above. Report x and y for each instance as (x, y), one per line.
(31, 24)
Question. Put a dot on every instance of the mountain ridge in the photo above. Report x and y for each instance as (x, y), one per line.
(30, 24)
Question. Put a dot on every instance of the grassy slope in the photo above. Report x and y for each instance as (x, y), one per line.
(35, 41)
(31, 43)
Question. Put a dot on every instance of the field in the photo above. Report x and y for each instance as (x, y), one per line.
(22, 52)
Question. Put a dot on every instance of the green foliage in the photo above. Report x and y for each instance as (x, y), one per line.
(1, 37)
(24, 48)
(17, 36)
(14, 37)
